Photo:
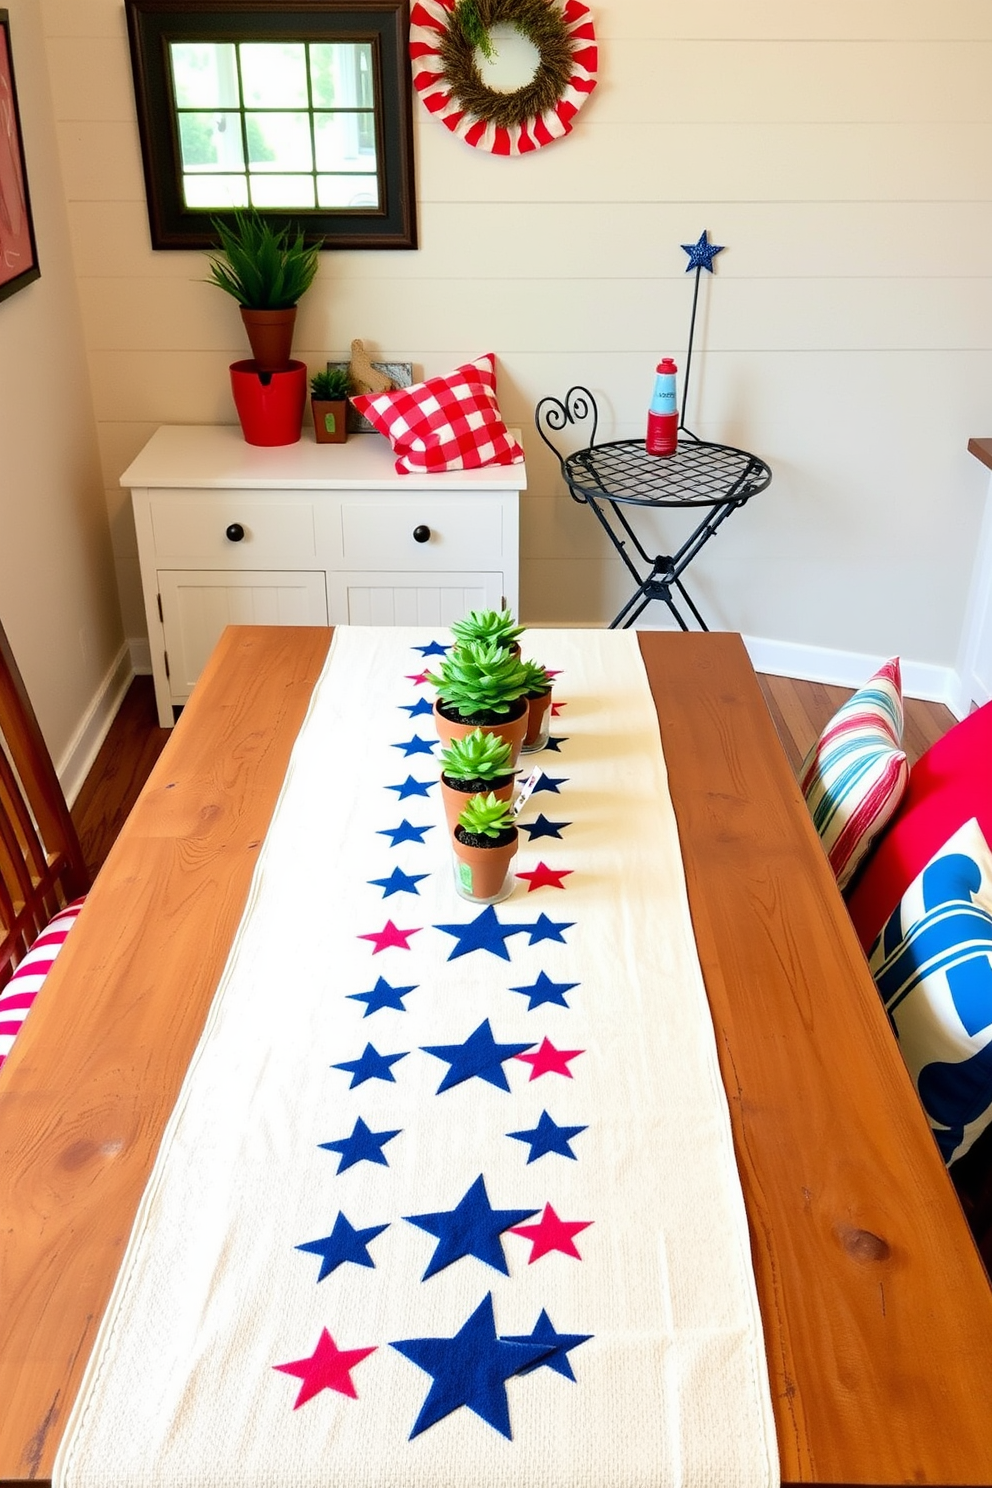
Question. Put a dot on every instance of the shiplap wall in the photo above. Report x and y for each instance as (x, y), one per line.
(842, 153)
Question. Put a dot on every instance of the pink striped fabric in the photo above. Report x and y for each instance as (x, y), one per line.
(856, 773)
(22, 989)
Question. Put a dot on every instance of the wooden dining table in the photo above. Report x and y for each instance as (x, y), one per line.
(877, 1311)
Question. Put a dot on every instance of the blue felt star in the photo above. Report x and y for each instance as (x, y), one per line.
(550, 783)
(405, 833)
(480, 1057)
(543, 828)
(556, 743)
(371, 1066)
(421, 708)
(470, 1369)
(416, 745)
(344, 1243)
(560, 1345)
(472, 1228)
(545, 990)
(701, 253)
(545, 929)
(398, 882)
(546, 1137)
(383, 995)
(362, 1146)
(485, 933)
(411, 787)
(433, 649)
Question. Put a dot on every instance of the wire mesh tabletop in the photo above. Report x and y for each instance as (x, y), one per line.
(697, 474)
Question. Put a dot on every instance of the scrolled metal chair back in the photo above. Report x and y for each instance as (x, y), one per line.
(552, 415)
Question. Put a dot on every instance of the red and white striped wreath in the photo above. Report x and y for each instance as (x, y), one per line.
(505, 123)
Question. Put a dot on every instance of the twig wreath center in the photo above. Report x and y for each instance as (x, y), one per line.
(544, 27)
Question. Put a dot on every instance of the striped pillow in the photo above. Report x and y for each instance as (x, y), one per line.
(856, 773)
(22, 989)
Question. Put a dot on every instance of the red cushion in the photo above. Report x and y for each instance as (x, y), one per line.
(948, 786)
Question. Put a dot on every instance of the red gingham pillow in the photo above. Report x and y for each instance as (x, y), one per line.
(445, 423)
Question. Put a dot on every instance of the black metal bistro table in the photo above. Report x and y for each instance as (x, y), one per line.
(621, 474)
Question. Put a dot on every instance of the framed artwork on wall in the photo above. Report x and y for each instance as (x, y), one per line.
(18, 253)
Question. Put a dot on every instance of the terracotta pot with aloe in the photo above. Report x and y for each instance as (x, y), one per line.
(478, 763)
(496, 626)
(485, 844)
(481, 685)
(538, 697)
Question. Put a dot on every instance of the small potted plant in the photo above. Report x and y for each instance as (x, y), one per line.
(481, 685)
(538, 697)
(266, 269)
(477, 763)
(485, 843)
(329, 401)
(489, 625)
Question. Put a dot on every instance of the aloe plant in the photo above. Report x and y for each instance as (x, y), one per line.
(330, 386)
(538, 681)
(485, 816)
(262, 266)
(478, 756)
(479, 678)
(487, 625)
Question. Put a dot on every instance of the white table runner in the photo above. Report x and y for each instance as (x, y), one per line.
(449, 1196)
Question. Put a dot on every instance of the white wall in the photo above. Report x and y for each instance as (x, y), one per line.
(58, 595)
(840, 151)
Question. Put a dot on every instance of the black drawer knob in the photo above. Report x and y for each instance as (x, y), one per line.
(421, 533)
(235, 532)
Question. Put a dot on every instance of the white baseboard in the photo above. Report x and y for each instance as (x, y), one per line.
(920, 679)
(82, 750)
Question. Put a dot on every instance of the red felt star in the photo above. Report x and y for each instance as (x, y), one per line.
(417, 678)
(327, 1368)
(543, 877)
(556, 709)
(547, 1060)
(391, 935)
(551, 1233)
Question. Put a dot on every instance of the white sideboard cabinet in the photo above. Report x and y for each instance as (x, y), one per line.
(308, 534)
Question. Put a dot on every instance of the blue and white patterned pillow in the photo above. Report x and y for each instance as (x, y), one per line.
(932, 964)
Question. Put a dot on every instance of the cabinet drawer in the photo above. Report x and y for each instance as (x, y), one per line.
(192, 529)
(463, 532)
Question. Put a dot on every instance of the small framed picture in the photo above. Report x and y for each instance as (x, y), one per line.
(18, 254)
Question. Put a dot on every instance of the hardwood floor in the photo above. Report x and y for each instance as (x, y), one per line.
(799, 711)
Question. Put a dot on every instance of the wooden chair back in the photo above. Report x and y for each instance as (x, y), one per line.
(41, 862)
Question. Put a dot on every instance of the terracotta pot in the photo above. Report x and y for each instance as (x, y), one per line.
(512, 727)
(455, 796)
(483, 874)
(538, 722)
(330, 420)
(270, 336)
(270, 404)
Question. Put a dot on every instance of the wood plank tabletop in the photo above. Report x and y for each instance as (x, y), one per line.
(877, 1312)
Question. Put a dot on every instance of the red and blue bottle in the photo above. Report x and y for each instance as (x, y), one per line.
(663, 414)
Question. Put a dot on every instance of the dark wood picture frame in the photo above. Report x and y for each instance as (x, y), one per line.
(18, 250)
(153, 24)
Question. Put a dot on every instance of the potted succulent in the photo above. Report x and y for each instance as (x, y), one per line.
(477, 763)
(538, 697)
(489, 625)
(266, 270)
(484, 843)
(329, 402)
(481, 685)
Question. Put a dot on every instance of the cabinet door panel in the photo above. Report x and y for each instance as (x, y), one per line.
(406, 599)
(197, 605)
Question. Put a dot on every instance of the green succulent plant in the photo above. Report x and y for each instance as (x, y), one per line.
(538, 681)
(263, 267)
(478, 756)
(479, 678)
(485, 816)
(487, 625)
(331, 386)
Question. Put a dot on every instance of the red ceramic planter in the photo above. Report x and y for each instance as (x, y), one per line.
(270, 404)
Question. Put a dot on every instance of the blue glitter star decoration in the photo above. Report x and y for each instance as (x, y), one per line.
(701, 253)
(344, 1243)
(472, 1228)
(479, 1057)
(470, 1369)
